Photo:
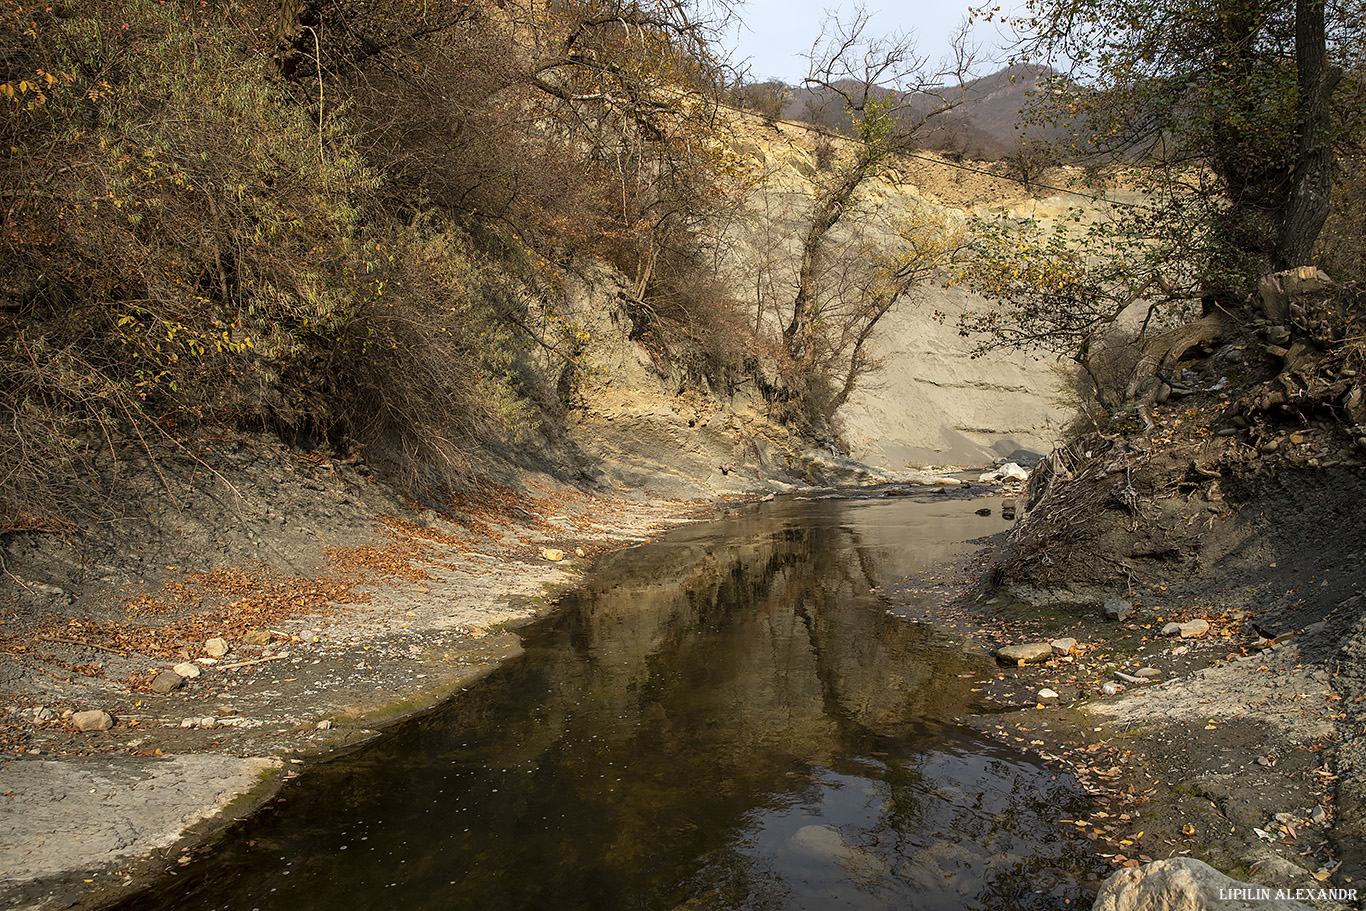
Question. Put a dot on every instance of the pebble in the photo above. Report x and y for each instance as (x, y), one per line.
(94, 720)
(1047, 695)
(187, 670)
(166, 682)
(1147, 673)
(1063, 646)
(1193, 629)
(1118, 609)
(216, 647)
(257, 637)
(43, 713)
(553, 554)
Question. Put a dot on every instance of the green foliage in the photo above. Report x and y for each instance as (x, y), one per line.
(1209, 125)
(202, 225)
(1202, 108)
(1060, 286)
(874, 126)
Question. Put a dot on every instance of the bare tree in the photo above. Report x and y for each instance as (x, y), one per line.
(891, 92)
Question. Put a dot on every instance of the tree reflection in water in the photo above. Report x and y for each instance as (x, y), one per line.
(728, 718)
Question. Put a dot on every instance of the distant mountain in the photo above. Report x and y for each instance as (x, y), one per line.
(994, 102)
(986, 125)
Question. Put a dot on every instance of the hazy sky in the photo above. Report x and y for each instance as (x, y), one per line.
(777, 32)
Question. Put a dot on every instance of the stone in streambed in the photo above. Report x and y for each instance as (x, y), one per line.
(1025, 653)
(166, 682)
(187, 670)
(94, 720)
(1193, 629)
(1118, 609)
(216, 647)
(1063, 646)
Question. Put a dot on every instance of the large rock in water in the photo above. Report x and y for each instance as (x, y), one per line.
(1185, 884)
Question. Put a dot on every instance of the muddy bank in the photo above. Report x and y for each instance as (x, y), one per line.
(1240, 746)
(87, 814)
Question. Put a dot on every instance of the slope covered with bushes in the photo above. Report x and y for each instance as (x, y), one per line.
(330, 220)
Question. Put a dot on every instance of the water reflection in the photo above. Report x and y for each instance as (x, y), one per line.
(725, 719)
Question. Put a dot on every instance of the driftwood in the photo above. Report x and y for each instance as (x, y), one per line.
(1162, 353)
(230, 667)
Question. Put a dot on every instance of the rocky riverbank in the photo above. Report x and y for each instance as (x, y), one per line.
(1194, 598)
(1209, 697)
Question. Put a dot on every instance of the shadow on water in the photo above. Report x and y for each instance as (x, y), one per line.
(727, 718)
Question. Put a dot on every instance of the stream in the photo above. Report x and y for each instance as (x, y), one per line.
(727, 718)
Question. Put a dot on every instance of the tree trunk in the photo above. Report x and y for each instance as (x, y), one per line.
(1307, 209)
(292, 38)
(1162, 353)
(828, 210)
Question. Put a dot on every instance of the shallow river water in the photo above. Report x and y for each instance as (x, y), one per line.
(725, 719)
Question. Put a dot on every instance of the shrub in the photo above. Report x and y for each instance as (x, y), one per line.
(186, 244)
